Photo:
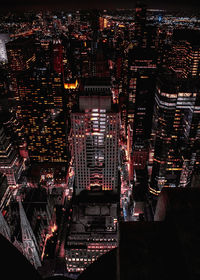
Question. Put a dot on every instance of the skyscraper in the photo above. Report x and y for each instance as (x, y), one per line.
(175, 132)
(141, 88)
(185, 54)
(95, 136)
(140, 23)
(21, 54)
(11, 164)
(41, 109)
(4, 38)
(167, 160)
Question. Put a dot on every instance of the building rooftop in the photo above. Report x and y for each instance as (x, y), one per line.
(167, 80)
(21, 42)
(167, 248)
(94, 102)
(97, 197)
(97, 81)
(142, 53)
(190, 35)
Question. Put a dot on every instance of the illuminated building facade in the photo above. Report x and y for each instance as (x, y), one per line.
(41, 109)
(140, 155)
(167, 162)
(95, 136)
(93, 231)
(21, 54)
(58, 56)
(140, 23)
(95, 148)
(141, 89)
(4, 38)
(142, 66)
(175, 132)
(93, 60)
(185, 54)
(15, 129)
(11, 164)
(3, 190)
(188, 102)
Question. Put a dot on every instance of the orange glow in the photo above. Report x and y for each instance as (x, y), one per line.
(153, 191)
(48, 236)
(53, 228)
(71, 85)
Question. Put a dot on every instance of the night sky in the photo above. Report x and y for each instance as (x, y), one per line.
(101, 4)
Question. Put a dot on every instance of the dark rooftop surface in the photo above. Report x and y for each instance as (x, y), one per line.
(97, 81)
(142, 53)
(150, 251)
(101, 197)
(21, 42)
(189, 35)
(167, 80)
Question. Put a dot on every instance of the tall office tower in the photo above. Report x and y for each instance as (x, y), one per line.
(175, 132)
(100, 64)
(95, 136)
(185, 54)
(58, 56)
(94, 22)
(167, 162)
(151, 36)
(11, 164)
(95, 64)
(141, 88)
(142, 64)
(21, 57)
(15, 130)
(189, 101)
(4, 38)
(4, 190)
(4, 82)
(140, 23)
(41, 109)
(21, 54)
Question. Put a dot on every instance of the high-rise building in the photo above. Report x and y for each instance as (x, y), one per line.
(189, 101)
(175, 132)
(95, 148)
(21, 54)
(11, 164)
(142, 68)
(41, 109)
(95, 136)
(142, 64)
(167, 162)
(185, 53)
(4, 38)
(140, 23)
(93, 230)
(3, 190)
